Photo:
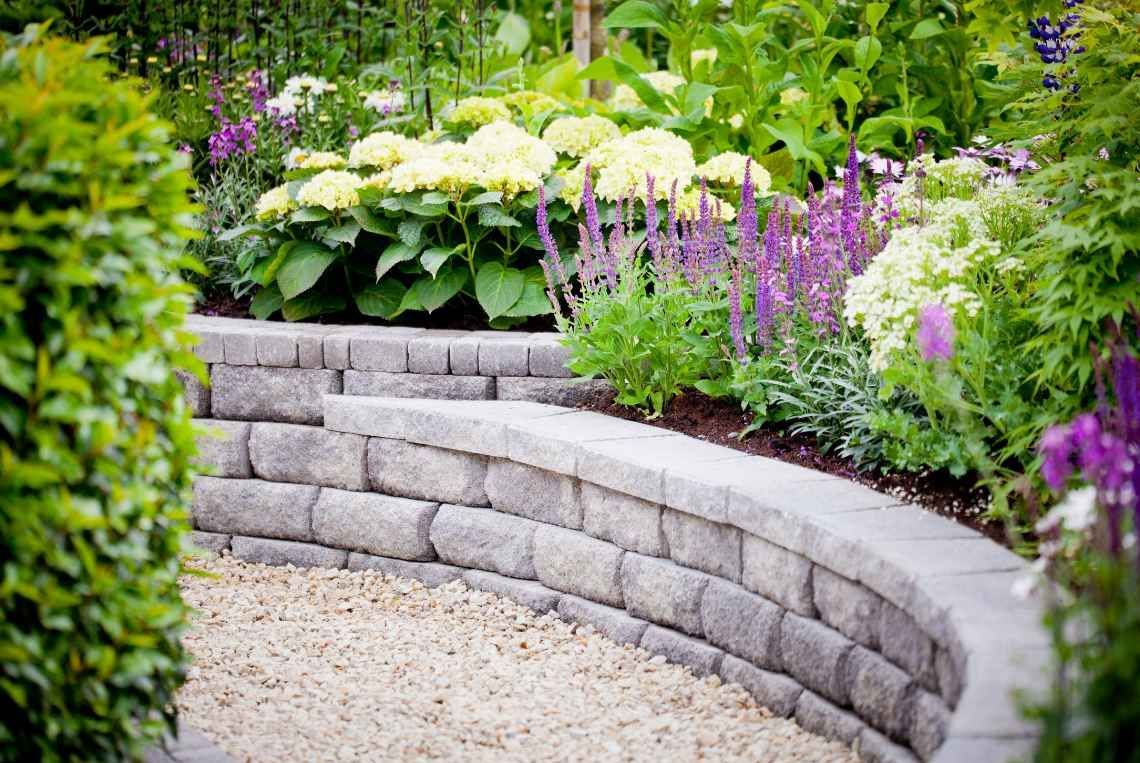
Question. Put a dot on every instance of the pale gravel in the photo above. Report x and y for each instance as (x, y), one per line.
(330, 665)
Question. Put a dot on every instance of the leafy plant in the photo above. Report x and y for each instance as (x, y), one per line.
(95, 441)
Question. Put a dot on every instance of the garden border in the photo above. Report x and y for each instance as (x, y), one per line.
(871, 622)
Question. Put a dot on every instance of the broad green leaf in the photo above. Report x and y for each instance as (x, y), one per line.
(381, 300)
(370, 222)
(645, 91)
(600, 68)
(792, 136)
(434, 197)
(487, 197)
(433, 258)
(497, 287)
(635, 14)
(815, 18)
(867, 52)
(305, 263)
(875, 13)
(851, 96)
(393, 256)
(392, 203)
(411, 231)
(238, 232)
(311, 304)
(309, 215)
(345, 233)
(266, 302)
(927, 28)
(695, 96)
(513, 33)
(533, 300)
(495, 217)
(433, 293)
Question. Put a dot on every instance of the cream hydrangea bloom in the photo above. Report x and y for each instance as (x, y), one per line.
(378, 180)
(689, 205)
(625, 98)
(623, 164)
(274, 203)
(575, 136)
(319, 160)
(382, 150)
(573, 180)
(703, 54)
(530, 100)
(331, 189)
(447, 167)
(505, 140)
(477, 111)
(728, 169)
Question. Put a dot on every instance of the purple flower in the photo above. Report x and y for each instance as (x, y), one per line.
(935, 333)
(1056, 448)
(216, 96)
(258, 92)
(652, 242)
(735, 316)
(593, 225)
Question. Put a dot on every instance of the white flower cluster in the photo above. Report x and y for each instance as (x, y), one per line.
(274, 203)
(957, 178)
(477, 111)
(302, 90)
(382, 150)
(576, 136)
(623, 164)
(331, 189)
(728, 169)
(530, 101)
(384, 102)
(935, 263)
(318, 160)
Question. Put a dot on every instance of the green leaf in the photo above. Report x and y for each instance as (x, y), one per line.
(635, 14)
(513, 33)
(309, 215)
(238, 232)
(533, 300)
(381, 300)
(433, 258)
(411, 231)
(433, 293)
(926, 29)
(867, 52)
(498, 287)
(434, 197)
(305, 263)
(645, 91)
(370, 222)
(851, 96)
(695, 96)
(345, 234)
(815, 18)
(393, 256)
(875, 13)
(266, 302)
(312, 304)
(495, 217)
(792, 136)
(487, 197)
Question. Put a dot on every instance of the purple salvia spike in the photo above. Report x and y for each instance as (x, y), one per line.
(735, 316)
(552, 263)
(746, 222)
(651, 240)
(593, 225)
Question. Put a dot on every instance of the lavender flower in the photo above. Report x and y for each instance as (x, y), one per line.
(233, 139)
(258, 91)
(735, 316)
(935, 333)
(593, 225)
(651, 240)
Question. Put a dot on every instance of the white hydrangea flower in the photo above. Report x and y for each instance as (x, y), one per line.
(274, 203)
(384, 102)
(382, 150)
(331, 189)
(623, 164)
(446, 167)
(476, 111)
(576, 136)
(728, 169)
(319, 160)
(530, 101)
(503, 141)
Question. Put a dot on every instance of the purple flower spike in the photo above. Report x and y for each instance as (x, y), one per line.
(735, 317)
(590, 203)
(653, 243)
(552, 263)
(935, 333)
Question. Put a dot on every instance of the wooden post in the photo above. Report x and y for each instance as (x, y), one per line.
(599, 89)
(581, 37)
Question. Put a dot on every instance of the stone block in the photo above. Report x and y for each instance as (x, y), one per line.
(464, 356)
(565, 392)
(223, 447)
(240, 347)
(549, 356)
(508, 356)
(850, 608)
(551, 442)
(309, 455)
(431, 574)
(879, 692)
(276, 348)
(615, 624)
(485, 540)
(778, 574)
(818, 716)
(195, 393)
(985, 749)
(742, 623)
(384, 384)
(570, 561)
(383, 349)
(211, 543)
(405, 469)
(526, 592)
(374, 524)
(816, 656)
(533, 493)
(310, 350)
(625, 521)
(703, 545)
(702, 488)
(949, 676)
(637, 467)
(253, 507)
(875, 748)
(988, 706)
(336, 351)
(775, 691)
(210, 347)
(902, 642)
(663, 592)
(702, 658)
(290, 395)
(929, 720)
(282, 552)
(430, 352)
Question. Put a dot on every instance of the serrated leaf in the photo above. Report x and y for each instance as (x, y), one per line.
(303, 266)
(370, 222)
(498, 287)
(411, 231)
(266, 302)
(311, 304)
(309, 215)
(381, 300)
(487, 197)
(434, 197)
(393, 256)
(495, 217)
(432, 259)
(344, 234)
(433, 293)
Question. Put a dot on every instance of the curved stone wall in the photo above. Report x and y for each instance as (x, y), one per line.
(874, 623)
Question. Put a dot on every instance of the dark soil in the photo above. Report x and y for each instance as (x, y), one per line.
(721, 421)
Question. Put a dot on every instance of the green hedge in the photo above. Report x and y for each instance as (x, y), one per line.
(95, 439)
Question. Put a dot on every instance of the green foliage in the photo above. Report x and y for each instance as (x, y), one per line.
(95, 439)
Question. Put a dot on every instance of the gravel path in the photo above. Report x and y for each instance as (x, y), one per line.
(322, 665)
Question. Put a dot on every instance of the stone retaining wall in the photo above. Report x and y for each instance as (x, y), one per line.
(874, 623)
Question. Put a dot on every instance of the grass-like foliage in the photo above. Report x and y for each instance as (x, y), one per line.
(95, 439)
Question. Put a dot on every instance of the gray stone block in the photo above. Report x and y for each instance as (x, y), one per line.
(879, 692)
(628, 522)
(570, 561)
(702, 658)
(815, 655)
(384, 384)
(902, 642)
(702, 488)
(534, 493)
(703, 545)
(949, 676)
(210, 347)
(195, 393)
(309, 455)
(850, 608)
(526, 592)
(876, 748)
(929, 720)
(335, 351)
(508, 356)
(775, 691)
(212, 543)
(742, 623)
(430, 353)
(282, 552)
(464, 356)
(380, 350)
(663, 592)
(818, 716)
(548, 356)
(404, 469)
(431, 574)
(614, 624)
(566, 392)
(240, 347)
(253, 507)
(374, 524)
(985, 749)
(637, 467)
(292, 395)
(223, 447)
(988, 706)
(551, 442)
(310, 350)
(276, 348)
(778, 574)
(485, 540)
